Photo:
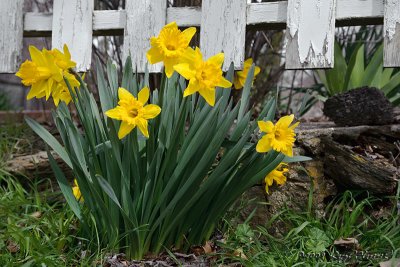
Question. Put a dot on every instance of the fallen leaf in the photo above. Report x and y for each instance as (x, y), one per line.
(12, 247)
(239, 253)
(390, 263)
(208, 248)
(346, 241)
(36, 214)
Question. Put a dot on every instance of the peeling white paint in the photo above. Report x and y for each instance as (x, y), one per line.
(73, 25)
(223, 29)
(392, 17)
(144, 19)
(11, 30)
(391, 57)
(311, 27)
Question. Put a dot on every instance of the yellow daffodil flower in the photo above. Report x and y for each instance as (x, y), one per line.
(203, 76)
(133, 112)
(240, 76)
(63, 60)
(41, 73)
(76, 191)
(46, 72)
(169, 47)
(279, 137)
(278, 175)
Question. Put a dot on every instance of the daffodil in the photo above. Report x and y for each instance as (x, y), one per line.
(46, 72)
(241, 76)
(63, 60)
(169, 46)
(41, 73)
(133, 112)
(203, 76)
(278, 175)
(76, 191)
(279, 137)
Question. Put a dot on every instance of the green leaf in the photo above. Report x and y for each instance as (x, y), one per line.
(244, 102)
(65, 187)
(335, 77)
(50, 140)
(108, 189)
(296, 159)
(373, 71)
(392, 84)
(355, 69)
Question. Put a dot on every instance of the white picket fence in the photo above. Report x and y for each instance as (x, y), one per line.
(309, 25)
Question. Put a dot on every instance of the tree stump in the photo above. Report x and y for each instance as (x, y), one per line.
(361, 106)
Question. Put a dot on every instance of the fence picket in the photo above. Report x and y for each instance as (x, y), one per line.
(11, 34)
(310, 34)
(392, 33)
(223, 29)
(223, 25)
(144, 18)
(72, 25)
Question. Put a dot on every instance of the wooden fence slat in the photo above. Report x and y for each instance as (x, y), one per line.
(11, 34)
(144, 19)
(223, 29)
(310, 34)
(72, 25)
(184, 16)
(392, 34)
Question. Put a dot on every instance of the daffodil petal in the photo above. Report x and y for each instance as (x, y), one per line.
(263, 145)
(36, 89)
(188, 34)
(154, 55)
(236, 83)
(217, 59)
(125, 95)
(66, 51)
(191, 89)
(124, 129)
(256, 71)
(285, 121)
(143, 126)
(150, 111)
(37, 56)
(265, 126)
(224, 83)
(144, 95)
(247, 63)
(114, 113)
(294, 125)
(171, 25)
(209, 96)
(185, 71)
(189, 56)
(169, 64)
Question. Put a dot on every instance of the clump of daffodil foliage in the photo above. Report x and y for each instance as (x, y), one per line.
(158, 168)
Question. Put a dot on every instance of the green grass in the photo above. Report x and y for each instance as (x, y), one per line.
(45, 231)
(37, 228)
(15, 138)
(309, 240)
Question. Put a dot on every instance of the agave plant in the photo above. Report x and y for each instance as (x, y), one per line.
(358, 73)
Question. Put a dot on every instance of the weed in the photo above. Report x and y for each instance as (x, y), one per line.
(310, 240)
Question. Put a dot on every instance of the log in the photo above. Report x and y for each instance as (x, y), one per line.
(352, 170)
(36, 166)
(359, 157)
